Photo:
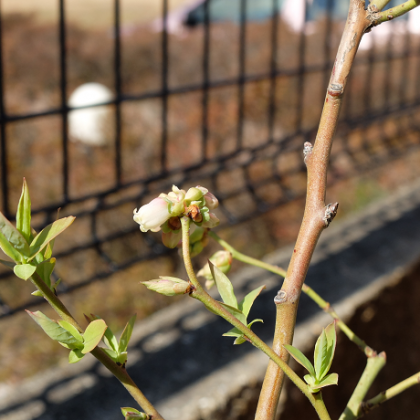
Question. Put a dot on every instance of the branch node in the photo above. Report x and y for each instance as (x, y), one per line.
(307, 150)
(335, 89)
(281, 297)
(330, 213)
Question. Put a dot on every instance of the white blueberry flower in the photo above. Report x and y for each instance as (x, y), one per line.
(153, 215)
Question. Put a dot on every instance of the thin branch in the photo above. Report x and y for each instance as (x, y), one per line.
(317, 215)
(214, 306)
(376, 6)
(118, 371)
(373, 367)
(388, 394)
(393, 12)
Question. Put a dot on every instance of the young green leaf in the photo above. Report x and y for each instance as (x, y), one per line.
(239, 340)
(48, 234)
(235, 312)
(133, 414)
(55, 331)
(48, 250)
(300, 358)
(23, 214)
(248, 300)
(75, 356)
(121, 358)
(331, 379)
(111, 353)
(126, 334)
(234, 332)
(321, 355)
(254, 321)
(45, 269)
(24, 271)
(71, 329)
(93, 335)
(8, 249)
(224, 286)
(13, 236)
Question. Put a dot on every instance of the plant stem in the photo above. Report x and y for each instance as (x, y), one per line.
(214, 306)
(378, 4)
(388, 394)
(323, 304)
(245, 258)
(118, 371)
(373, 367)
(393, 12)
(315, 210)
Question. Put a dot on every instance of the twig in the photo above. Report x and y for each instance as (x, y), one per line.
(388, 394)
(393, 12)
(373, 367)
(317, 215)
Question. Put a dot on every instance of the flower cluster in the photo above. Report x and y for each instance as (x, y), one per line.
(164, 212)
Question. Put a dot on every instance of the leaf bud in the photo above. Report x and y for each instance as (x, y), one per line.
(168, 286)
(222, 260)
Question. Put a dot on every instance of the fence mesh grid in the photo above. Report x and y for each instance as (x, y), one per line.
(250, 94)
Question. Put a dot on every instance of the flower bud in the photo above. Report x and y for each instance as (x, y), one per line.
(222, 260)
(171, 239)
(153, 215)
(211, 201)
(168, 286)
(194, 194)
(212, 221)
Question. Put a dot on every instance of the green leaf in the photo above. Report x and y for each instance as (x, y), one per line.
(93, 335)
(122, 358)
(75, 356)
(48, 234)
(54, 331)
(300, 358)
(24, 271)
(331, 379)
(23, 214)
(224, 286)
(110, 340)
(14, 237)
(235, 312)
(133, 414)
(234, 332)
(321, 355)
(324, 351)
(111, 353)
(45, 270)
(248, 300)
(239, 340)
(254, 321)
(8, 249)
(48, 250)
(126, 335)
(309, 379)
(71, 329)
(37, 293)
(9, 264)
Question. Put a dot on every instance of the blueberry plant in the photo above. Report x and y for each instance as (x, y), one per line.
(186, 220)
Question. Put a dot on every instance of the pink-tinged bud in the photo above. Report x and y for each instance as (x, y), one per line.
(153, 215)
(171, 239)
(168, 286)
(212, 222)
(211, 201)
(222, 260)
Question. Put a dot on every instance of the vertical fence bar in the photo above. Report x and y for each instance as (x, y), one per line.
(3, 140)
(206, 79)
(301, 72)
(327, 46)
(242, 72)
(273, 70)
(164, 80)
(118, 91)
(63, 92)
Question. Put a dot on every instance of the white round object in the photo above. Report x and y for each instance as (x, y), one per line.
(89, 125)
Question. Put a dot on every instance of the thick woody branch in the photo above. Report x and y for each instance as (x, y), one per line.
(317, 215)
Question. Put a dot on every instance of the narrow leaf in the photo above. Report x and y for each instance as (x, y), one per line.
(48, 250)
(111, 353)
(248, 300)
(309, 379)
(330, 332)
(23, 214)
(93, 335)
(234, 332)
(224, 286)
(126, 334)
(24, 271)
(254, 321)
(71, 329)
(75, 356)
(331, 379)
(235, 312)
(300, 358)
(53, 330)
(13, 236)
(48, 234)
(321, 355)
(8, 249)
(239, 340)
(45, 270)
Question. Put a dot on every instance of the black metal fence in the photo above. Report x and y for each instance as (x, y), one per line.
(255, 90)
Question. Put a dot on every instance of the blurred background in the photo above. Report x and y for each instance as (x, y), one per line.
(221, 93)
